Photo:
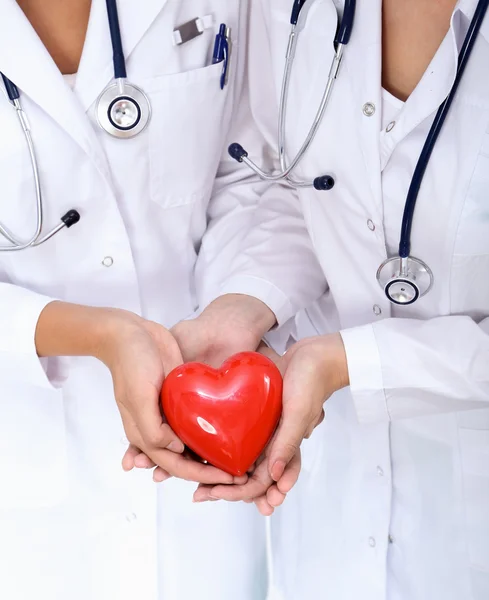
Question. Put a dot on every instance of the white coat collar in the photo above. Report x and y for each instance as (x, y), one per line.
(25, 60)
(363, 61)
(467, 7)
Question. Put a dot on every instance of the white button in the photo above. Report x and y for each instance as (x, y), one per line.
(391, 540)
(131, 517)
(377, 310)
(371, 225)
(380, 471)
(108, 261)
(124, 441)
(371, 542)
(368, 109)
(390, 126)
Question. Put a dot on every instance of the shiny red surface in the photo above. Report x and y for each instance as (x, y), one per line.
(228, 415)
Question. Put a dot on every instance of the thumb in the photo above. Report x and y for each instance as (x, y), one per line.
(288, 438)
(273, 356)
(171, 354)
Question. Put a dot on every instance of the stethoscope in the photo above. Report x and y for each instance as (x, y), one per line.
(122, 109)
(403, 278)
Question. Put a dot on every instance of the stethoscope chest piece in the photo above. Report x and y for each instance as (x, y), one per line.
(404, 280)
(123, 110)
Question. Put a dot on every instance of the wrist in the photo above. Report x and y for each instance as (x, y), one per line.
(65, 329)
(336, 360)
(242, 313)
(327, 356)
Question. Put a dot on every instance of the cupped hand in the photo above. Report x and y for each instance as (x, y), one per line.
(231, 324)
(139, 354)
(313, 369)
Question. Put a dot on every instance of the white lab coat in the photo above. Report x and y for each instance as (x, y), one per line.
(73, 526)
(393, 500)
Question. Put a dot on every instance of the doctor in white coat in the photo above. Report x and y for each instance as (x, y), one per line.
(393, 498)
(156, 229)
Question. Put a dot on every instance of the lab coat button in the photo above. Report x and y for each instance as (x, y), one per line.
(108, 261)
(368, 109)
(371, 542)
(390, 126)
(371, 225)
(391, 540)
(377, 310)
(380, 471)
(131, 517)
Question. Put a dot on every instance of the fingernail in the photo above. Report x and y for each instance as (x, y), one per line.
(176, 447)
(278, 469)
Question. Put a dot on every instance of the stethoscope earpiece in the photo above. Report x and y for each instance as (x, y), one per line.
(324, 183)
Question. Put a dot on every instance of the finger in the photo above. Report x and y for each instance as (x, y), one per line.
(160, 475)
(275, 497)
(129, 457)
(141, 461)
(147, 429)
(290, 433)
(185, 468)
(315, 424)
(255, 487)
(269, 353)
(263, 507)
(170, 352)
(157, 434)
(240, 480)
(291, 475)
(203, 493)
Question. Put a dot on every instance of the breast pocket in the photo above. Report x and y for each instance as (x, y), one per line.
(474, 449)
(187, 133)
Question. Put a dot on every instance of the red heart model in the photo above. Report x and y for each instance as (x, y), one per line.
(228, 415)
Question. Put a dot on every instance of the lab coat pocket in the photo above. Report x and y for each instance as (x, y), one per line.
(187, 133)
(33, 464)
(474, 449)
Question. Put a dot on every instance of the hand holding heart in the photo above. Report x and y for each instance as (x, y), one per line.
(313, 370)
(229, 325)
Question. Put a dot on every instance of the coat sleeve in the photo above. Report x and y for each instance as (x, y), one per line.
(19, 312)
(257, 241)
(32, 420)
(402, 368)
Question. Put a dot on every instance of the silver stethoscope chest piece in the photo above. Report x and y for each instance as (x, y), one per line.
(123, 110)
(404, 280)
